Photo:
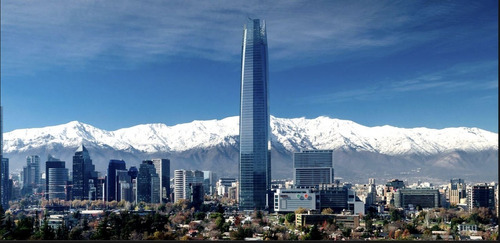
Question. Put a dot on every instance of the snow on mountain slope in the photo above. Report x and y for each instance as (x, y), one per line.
(328, 133)
(293, 134)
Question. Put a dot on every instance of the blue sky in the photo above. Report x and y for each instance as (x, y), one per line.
(115, 64)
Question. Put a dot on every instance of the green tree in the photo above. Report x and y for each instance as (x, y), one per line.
(200, 215)
(102, 232)
(395, 214)
(314, 233)
(290, 218)
(45, 233)
(371, 213)
(293, 236)
(241, 233)
(215, 215)
(220, 209)
(62, 233)
(281, 220)
(23, 229)
(76, 233)
(219, 222)
(300, 210)
(346, 232)
(327, 211)
(369, 225)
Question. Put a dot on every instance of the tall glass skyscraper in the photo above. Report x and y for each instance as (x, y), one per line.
(83, 172)
(162, 167)
(4, 186)
(148, 183)
(111, 182)
(255, 159)
(56, 178)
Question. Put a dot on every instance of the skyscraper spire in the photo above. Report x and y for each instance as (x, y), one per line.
(81, 149)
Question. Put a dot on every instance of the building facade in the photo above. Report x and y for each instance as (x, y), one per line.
(389, 189)
(31, 174)
(223, 184)
(123, 186)
(209, 181)
(183, 180)
(56, 179)
(5, 191)
(481, 195)
(332, 196)
(348, 220)
(163, 170)
(289, 200)
(423, 197)
(313, 167)
(254, 158)
(457, 191)
(83, 172)
(111, 183)
(148, 183)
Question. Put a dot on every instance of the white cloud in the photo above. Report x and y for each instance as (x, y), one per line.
(463, 76)
(61, 33)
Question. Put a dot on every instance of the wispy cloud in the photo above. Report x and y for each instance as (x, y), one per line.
(62, 33)
(454, 79)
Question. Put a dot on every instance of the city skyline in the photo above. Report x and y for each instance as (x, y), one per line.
(405, 64)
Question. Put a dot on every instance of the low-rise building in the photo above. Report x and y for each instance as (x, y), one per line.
(289, 200)
(347, 220)
(422, 197)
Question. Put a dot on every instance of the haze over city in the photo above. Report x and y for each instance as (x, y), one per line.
(116, 64)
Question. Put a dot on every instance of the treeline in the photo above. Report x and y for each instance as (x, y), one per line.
(125, 225)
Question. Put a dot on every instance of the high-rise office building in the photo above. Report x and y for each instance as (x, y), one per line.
(133, 172)
(481, 195)
(162, 167)
(209, 180)
(111, 182)
(148, 183)
(83, 172)
(457, 191)
(34, 161)
(31, 174)
(312, 168)
(4, 185)
(101, 188)
(28, 180)
(223, 185)
(183, 182)
(255, 147)
(123, 186)
(56, 178)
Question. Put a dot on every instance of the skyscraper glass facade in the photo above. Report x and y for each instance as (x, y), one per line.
(56, 178)
(113, 166)
(162, 167)
(4, 186)
(148, 183)
(254, 159)
(313, 167)
(83, 172)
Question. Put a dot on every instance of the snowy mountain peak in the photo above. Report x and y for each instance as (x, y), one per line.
(293, 134)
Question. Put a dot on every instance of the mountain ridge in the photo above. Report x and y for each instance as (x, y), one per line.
(205, 143)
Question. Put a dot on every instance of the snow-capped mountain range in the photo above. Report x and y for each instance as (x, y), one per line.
(209, 144)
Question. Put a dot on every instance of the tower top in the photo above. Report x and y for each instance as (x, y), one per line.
(81, 149)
